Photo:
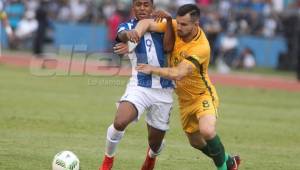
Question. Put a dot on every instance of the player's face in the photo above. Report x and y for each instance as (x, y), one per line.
(185, 25)
(142, 9)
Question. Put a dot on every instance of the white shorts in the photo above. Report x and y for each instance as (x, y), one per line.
(157, 102)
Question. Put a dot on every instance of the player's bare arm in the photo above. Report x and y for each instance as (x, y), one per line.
(172, 73)
(142, 27)
(129, 35)
(169, 36)
(151, 25)
(121, 48)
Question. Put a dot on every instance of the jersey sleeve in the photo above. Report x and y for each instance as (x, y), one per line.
(123, 27)
(198, 56)
(196, 61)
(162, 26)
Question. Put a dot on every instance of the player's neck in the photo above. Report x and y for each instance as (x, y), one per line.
(191, 36)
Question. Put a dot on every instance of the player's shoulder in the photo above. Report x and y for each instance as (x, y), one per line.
(128, 25)
(200, 43)
(131, 21)
(195, 48)
(201, 38)
(199, 53)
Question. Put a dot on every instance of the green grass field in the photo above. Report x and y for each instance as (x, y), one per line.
(40, 116)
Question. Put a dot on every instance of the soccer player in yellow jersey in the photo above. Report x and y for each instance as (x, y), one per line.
(198, 99)
(5, 22)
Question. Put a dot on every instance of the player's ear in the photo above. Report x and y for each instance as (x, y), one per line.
(132, 5)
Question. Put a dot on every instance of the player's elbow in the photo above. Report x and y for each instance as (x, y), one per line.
(168, 48)
(178, 77)
(177, 74)
(168, 45)
(122, 37)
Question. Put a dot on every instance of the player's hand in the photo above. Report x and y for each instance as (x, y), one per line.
(144, 68)
(121, 49)
(133, 36)
(159, 15)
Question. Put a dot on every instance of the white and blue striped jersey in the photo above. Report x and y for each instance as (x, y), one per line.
(150, 51)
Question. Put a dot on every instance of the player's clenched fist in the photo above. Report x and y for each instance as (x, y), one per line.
(133, 36)
(159, 15)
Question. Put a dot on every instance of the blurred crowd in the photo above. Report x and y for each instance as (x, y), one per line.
(230, 18)
(259, 17)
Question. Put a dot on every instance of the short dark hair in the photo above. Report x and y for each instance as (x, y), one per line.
(150, 0)
(191, 9)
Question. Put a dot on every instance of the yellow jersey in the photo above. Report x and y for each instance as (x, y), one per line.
(197, 52)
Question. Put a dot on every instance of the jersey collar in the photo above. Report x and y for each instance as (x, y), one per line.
(198, 35)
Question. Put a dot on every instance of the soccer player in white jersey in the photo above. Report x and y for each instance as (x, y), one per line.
(144, 92)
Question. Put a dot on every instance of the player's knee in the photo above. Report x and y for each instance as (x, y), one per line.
(155, 146)
(120, 124)
(124, 116)
(207, 132)
(154, 143)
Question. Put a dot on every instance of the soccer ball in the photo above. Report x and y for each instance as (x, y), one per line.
(65, 160)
